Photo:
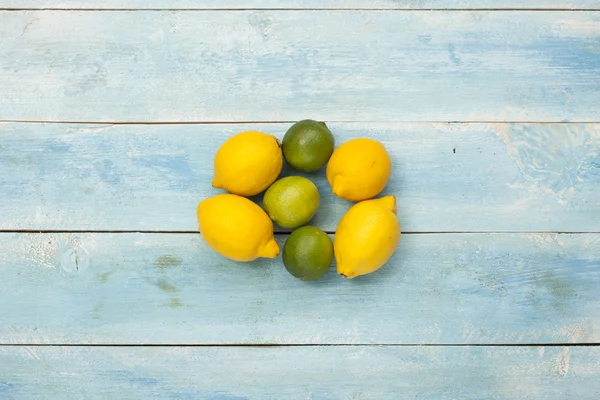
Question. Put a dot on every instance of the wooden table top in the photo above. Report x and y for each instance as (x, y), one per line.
(111, 112)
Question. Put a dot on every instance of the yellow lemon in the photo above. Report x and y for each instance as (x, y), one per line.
(236, 228)
(247, 163)
(359, 169)
(366, 237)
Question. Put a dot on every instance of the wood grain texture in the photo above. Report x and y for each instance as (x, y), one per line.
(373, 63)
(538, 373)
(299, 4)
(172, 288)
(290, 65)
(446, 177)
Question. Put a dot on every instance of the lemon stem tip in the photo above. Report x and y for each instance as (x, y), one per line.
(269, 250)
(388, 202)
(337, 187)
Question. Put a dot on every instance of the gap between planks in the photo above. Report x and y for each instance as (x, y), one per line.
(277, 232)
(304, 9)
(260, 345)
(285, 122)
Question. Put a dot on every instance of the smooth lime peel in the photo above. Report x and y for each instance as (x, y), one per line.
(308, 145)
(291, 201)
(308, 253)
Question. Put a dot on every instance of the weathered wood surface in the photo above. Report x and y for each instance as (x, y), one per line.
(65, 373)
(172, 288)
(301, 4)
(373, 69)
(447, 177)
(290, 65)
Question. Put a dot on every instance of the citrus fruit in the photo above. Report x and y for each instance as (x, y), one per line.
(236, 228)
(308, 253)
(307, 145)
(366, 237)
(291, 201)
(247, 163)
(359, 169)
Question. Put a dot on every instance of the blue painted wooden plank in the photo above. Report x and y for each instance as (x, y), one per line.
(290, 65)
(171, 288)
(300, 4)
(446, 177)
(540, 373)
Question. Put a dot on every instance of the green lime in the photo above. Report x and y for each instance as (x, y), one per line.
(308, 253)
(307, 145)
(291, 201)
